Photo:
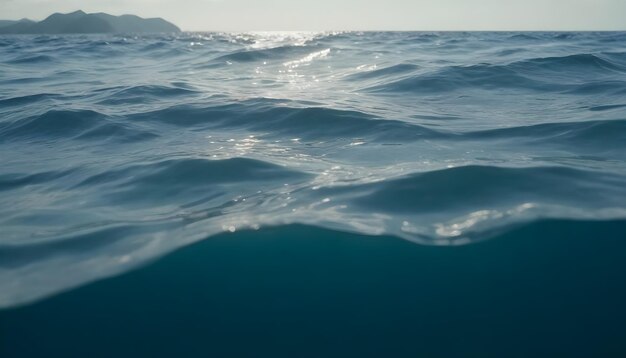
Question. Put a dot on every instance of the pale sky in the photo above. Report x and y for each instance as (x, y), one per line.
(244, 15)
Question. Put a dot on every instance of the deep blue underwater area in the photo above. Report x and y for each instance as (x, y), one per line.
(333, 194)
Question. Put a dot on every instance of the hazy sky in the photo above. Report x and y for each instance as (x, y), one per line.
(240, 15)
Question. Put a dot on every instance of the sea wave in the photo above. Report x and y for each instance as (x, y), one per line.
(70, 124)
(550, 74)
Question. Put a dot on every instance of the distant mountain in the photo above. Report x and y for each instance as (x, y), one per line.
(79, 22)
(4, 23)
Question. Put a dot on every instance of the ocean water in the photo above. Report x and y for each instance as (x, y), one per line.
(346, 194)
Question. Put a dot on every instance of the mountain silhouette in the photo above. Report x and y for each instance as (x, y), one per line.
(4, 23)
(79, 22)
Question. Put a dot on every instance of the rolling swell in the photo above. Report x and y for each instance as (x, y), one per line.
(604, 135)
(384, 72)
(586, 63)
(486, 187)
(10, 181)
(536, 74)
(458, 78)
(28, 99)
(145, 94)
(255, 55)
(307, 123)
(180, 173)
(69, 124)
(32, 59)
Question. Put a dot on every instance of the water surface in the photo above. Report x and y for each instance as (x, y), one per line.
(116, 150)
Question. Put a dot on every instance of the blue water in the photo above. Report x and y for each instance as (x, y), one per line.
(417, 171)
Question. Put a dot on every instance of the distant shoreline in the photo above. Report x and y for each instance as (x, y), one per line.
(79, 22)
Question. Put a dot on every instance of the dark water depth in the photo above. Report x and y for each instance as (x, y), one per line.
(549, 289)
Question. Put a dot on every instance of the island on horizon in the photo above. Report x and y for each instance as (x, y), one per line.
(79, 22)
